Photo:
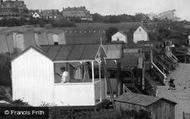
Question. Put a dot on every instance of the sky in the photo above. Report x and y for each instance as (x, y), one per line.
(107, 7)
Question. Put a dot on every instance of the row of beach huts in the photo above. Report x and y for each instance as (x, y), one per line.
(125, 73)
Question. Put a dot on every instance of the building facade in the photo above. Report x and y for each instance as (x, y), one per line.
(77, 12)
(13, 9)
(50, 14)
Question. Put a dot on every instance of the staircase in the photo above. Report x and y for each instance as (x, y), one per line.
(151, 83)
(162, 65)
(131, 84)
(157, 71)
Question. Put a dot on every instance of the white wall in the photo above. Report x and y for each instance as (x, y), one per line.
(140, 35)
(36, 38)
(119, 36)
(62, 39)
(33, 78)
(74, 94)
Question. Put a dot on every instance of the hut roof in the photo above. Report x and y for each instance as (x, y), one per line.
(71, 52)
(139, 99)
(84, 36)
(68, 52)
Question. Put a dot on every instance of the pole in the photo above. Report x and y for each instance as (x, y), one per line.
(109, 85)
(119, 82)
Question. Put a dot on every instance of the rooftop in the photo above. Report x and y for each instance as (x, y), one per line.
(71, 52)
(139, 99)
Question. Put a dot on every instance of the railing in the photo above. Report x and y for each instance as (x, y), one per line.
(160, 71)
(79, 94)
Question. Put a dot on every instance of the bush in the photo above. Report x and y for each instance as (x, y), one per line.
(133, 114)
(19, 103)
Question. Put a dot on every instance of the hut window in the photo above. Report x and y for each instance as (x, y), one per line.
(78, 72)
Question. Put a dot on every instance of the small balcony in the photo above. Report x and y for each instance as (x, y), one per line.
(85, 87)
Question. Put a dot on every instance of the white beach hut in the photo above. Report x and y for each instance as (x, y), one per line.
(140, 35)
(119, 37)
(36, 80)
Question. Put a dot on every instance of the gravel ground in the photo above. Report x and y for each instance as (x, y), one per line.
(182, 93)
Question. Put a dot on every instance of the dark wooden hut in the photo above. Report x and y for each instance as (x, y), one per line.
(159, 108)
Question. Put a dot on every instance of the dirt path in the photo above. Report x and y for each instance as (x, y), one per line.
(182, 93)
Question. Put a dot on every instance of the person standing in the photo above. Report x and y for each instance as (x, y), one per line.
(65, 75)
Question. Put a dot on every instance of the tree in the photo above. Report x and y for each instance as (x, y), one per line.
(140, 17)
(97, 17)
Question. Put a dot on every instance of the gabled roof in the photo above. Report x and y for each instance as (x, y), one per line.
(31, 47)
(139, 99)
(72, 52)
(121, 32)
(68, 52)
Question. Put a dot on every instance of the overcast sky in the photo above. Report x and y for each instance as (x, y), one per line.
(106, 7)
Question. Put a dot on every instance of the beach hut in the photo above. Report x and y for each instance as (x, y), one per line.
(36, 75)
(50, 37)
(120, 37)
(160, 108)
(140, 35)
(113, 56)
(16, 40)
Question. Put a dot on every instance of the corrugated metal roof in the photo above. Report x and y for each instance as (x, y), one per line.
(71, 52)
(138, 99)
(84, 36)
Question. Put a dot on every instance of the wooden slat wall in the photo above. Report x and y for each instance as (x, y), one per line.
(162, 110)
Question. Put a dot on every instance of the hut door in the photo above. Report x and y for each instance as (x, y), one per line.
(18, 40)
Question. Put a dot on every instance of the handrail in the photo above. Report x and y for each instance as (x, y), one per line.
(159, 71)
(174, 57)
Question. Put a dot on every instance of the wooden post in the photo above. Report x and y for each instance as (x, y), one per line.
(92, 64)
(93, 82)
(109, 85)
(100, 79)
(119, 82)
(143, 75)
